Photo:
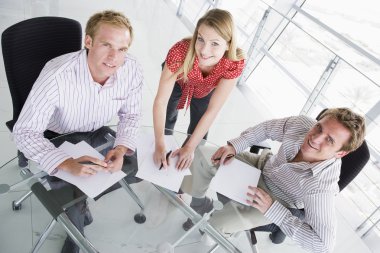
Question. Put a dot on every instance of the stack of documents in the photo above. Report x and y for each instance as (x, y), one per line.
(169, 178)
(93, 185)
(232, 180)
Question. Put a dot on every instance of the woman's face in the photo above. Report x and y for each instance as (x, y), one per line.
(209, 47)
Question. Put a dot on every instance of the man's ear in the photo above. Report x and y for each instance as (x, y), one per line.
(87, 41)
(341, 153)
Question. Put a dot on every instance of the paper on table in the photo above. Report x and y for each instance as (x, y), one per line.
(93, 185)
(169, 178)
(232, 180)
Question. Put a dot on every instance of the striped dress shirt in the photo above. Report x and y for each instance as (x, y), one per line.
(312, 186)
(65, 98)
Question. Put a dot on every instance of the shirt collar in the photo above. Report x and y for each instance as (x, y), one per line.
(110, 81)
(315, 167)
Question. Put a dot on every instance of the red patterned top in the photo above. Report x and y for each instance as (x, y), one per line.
(198, 86)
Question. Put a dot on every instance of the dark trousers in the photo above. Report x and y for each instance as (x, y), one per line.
(198, 107)
(76, 213)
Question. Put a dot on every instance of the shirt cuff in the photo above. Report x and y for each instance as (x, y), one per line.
(52, 159)
(127, 142)
(239, 144)
(276, 213)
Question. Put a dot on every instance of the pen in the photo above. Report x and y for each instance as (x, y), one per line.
(92, 163)
(167, 157)
(227, 157)
(89, 163)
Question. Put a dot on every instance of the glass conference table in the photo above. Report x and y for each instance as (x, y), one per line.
(56, 201)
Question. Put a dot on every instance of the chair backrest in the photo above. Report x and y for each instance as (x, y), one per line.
(28, 45)
(352, 163)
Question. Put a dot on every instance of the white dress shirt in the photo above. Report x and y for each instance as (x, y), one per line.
(312, 186)
(65, 99)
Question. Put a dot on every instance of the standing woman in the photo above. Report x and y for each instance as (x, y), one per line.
(199, 72)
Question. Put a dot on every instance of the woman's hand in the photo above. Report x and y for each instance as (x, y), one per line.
(159, 156)
(185, 157)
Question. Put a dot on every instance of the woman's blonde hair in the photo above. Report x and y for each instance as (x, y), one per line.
(108, 17)
(222, 22)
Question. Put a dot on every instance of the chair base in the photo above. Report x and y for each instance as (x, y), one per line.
(140, 218)
(16, 207)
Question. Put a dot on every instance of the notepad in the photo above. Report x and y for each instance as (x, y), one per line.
(232, 180)
(93, 185)
(169, 178)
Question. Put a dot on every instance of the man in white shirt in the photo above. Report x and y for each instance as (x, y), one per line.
(81, 92)
(303, 174)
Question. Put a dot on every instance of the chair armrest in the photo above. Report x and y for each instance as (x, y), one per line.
(261, 145)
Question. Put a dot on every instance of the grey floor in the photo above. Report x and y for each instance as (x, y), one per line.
(114, 230)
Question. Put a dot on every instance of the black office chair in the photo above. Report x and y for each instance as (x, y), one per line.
(351, 166)
(27, 46)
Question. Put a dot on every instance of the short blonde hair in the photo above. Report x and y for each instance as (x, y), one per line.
(222, 22)
(354, 122)
(108, 17)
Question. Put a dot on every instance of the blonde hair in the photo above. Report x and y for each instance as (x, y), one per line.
(222, 22)
(354, 122)
(108, 17)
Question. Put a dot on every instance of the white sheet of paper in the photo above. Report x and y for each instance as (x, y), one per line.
(232, 180)
(93, 185)
(169, 178)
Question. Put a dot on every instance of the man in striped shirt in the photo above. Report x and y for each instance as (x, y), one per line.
(303, 174)
(81, 92)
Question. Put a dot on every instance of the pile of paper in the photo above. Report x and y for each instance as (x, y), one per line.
(93, 185)
(232, 180)
(169, 178)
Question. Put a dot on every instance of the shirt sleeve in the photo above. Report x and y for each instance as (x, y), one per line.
(272, 129)
(234, 69)
(316, 232)
(28, 132)
(130, 113)
(176, 55)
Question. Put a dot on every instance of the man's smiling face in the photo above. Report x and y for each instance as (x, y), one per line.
(325, 140)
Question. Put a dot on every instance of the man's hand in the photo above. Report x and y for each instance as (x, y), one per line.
(223, 155)
(259, 199)
(185, 157)
(114, 158)
(83, 166)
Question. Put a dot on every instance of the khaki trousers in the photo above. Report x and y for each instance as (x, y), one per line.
(233, 217)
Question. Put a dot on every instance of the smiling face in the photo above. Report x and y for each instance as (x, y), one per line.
(209, 47)
(106, 51)
(325, 140)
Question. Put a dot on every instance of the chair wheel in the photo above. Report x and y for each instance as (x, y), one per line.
(140, 218)
(16, 207)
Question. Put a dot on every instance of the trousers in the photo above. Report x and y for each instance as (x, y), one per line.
(77, 212)
(234, 217)
(198, 107)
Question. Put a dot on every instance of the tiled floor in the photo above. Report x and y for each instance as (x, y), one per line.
(113, 229)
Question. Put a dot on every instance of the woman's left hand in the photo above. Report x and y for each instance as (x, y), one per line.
(185, 157)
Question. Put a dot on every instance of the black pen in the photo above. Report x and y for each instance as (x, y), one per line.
(227, 157)
(89, 163)
(167, 157)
